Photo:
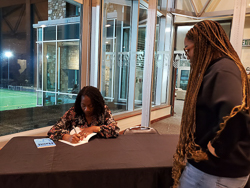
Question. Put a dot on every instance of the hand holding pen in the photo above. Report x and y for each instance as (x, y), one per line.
(76, 137)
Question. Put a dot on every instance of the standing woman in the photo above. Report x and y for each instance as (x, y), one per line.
(90, 114)
(214, 143)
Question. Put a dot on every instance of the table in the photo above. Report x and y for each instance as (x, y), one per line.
(129, 161)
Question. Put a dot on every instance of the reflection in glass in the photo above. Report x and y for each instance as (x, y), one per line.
(157, 62)
(140, 56)
(70, 31)
(166, 59)
(33, 68)
(221, 5)
(65, 99)
(39, 34)
(68, 67)
(115, 55)
(39, 66)
(39, 98)
(49, 33)
(49, 99)
(184, 5)
(184, 79)
(49, 66)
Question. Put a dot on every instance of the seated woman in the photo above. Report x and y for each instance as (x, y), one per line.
(90, 114)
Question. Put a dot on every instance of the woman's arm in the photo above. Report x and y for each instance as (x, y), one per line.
(228, 94)
(63, 126)
(109, 128)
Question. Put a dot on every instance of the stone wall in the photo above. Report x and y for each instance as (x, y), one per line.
(56, 9)
(69, 61)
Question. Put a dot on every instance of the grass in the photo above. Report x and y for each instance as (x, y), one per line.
(10, 100)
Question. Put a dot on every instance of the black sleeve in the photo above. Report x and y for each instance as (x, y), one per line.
(227, 94)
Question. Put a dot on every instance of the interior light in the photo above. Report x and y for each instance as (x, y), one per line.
(107, 25)
(107, 42)
(43, 25)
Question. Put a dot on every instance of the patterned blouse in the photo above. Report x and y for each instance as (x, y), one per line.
(108, 126)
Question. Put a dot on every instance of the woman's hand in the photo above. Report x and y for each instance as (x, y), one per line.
(86, 131)
(211, 149)
(72, 138)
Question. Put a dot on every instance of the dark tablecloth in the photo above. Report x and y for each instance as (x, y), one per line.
(129, 161)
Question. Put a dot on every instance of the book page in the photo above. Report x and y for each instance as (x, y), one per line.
(84, 141)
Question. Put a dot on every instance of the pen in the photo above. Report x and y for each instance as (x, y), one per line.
(74, 129)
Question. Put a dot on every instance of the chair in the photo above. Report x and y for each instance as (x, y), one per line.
(140, 130)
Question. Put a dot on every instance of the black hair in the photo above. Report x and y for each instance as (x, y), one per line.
(96, 99)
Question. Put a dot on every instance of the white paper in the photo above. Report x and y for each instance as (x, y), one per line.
(84, 141)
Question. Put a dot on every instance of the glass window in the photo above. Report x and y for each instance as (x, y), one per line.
(49, 33)
(70, 31)
(49, 66)
(162, 60)
(39, 66)
(245, 54)
(222, 5)
(36, 69)
(140, 56)
(68, 67)
(166, 60)
(116, 54)
(184, 5)
(181, 33)
(39, 34)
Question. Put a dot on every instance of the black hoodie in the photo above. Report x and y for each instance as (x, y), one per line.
(221, 90)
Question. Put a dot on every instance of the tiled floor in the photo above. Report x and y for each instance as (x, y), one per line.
(170, 125)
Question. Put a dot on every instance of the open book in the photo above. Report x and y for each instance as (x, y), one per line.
(84, 141)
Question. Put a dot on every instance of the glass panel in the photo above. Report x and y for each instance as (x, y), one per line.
(39, 98)
(49, 99)
(246, 45)
(39, 66)
(124, 62)
(68, 67)
(49, 66)
(184, 79)
(166, 59)
(227, 27)
(220, 5)
(49, 33)
(116, 57)
(30, 67)
(157, 64)
(65, 99)
(184, 5)
(70, 31)
(181, 33)
(140, 57)
(72, 10)
(199, 4)
(40, 34)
